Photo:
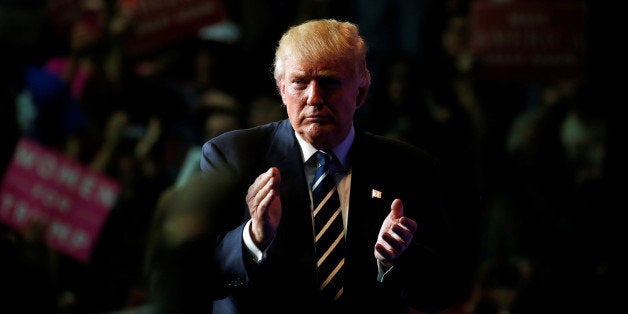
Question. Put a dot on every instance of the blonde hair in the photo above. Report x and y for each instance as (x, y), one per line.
(326, 39)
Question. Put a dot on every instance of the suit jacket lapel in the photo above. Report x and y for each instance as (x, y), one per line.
(284, 152)
(296, 226)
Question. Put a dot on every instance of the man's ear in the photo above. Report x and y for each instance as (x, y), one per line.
(280, 87)
(362, 92)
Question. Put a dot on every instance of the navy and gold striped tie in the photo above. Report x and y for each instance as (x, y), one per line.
(329, 231)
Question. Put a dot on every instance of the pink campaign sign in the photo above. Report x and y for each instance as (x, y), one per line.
(72, 200)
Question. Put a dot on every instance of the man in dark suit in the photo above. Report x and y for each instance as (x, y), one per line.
(397, 257)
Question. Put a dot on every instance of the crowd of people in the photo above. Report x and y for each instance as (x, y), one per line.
(532, 161)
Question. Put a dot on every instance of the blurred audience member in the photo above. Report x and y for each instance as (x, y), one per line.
(264, 109)
(560, 176)
(179, 269)
(216, 112)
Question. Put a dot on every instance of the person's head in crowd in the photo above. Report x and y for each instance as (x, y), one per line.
(90, 27)
(216, 112)
(264, 109)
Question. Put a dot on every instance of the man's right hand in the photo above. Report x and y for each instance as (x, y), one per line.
(264, 205)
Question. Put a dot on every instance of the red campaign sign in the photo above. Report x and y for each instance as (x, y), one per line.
(528, 39)
(72, 200)
(158, 23)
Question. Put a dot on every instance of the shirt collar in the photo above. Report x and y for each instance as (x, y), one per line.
(341, 151)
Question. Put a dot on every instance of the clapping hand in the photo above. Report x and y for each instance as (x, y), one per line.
(264, 205)
(394, 236)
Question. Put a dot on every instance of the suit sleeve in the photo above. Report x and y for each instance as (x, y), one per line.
(232, 257)
(212, 158)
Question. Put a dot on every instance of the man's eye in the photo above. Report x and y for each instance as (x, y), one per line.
(298, 83)
(329, 83)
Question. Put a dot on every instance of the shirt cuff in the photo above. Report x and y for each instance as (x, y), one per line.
(257, 254)
(382, 271)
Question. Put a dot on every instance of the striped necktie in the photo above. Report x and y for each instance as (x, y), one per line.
(329, 231)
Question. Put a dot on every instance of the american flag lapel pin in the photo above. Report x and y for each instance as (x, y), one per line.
(376, 194)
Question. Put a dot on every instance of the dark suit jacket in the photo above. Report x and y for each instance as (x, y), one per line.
(285, 281)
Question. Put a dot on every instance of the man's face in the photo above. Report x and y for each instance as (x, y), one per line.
(321, 98)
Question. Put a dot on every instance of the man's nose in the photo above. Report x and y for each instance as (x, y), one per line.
(315, 94)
